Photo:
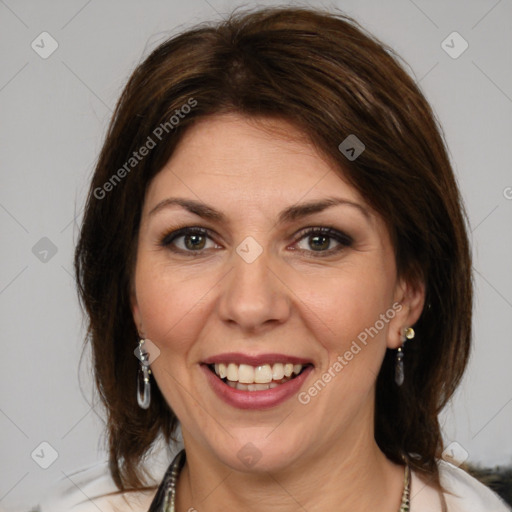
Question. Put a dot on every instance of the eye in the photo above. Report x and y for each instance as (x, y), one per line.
(321, 240)
(189, 239)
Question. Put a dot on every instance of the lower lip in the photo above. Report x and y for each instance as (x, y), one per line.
(263, 399)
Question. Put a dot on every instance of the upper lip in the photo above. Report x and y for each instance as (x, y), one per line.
(255, 360)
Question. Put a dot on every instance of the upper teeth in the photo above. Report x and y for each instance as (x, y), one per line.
(263, 374)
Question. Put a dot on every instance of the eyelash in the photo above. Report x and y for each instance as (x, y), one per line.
(344, 240)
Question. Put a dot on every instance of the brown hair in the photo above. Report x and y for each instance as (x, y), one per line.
(325, 74)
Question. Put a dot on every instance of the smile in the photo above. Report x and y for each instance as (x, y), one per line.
(256, 382)
(245, 377)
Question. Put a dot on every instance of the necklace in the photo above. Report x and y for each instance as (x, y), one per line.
(168, 487)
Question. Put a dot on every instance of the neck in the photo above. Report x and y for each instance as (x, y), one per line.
(349, 476)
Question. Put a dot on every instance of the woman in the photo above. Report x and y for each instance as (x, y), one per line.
(274, 230)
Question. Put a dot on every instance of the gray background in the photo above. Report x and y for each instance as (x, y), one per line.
(54, 114)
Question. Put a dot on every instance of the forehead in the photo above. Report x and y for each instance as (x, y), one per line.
(252, 163)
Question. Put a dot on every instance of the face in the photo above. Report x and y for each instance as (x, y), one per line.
(270, 288)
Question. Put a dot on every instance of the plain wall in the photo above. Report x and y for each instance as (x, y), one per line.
(54, 114)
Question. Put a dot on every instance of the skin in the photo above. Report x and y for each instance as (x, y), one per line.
(319, 456)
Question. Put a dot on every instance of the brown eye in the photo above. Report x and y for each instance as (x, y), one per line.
(324, 241)
(192, 239)
(319, 242)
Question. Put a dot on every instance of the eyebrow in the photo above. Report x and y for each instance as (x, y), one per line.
(289, 214)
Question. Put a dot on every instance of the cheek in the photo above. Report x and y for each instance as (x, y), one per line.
(171, 304)
(353, 347)
(348, 308)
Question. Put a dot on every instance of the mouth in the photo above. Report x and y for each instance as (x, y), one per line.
(262, 377)
(256, 382)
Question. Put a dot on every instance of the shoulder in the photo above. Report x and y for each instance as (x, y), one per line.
(89, 490)
(467, 492)
(463, 493)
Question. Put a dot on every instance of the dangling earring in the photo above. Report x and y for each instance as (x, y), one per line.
(143, 384)
(407, 334)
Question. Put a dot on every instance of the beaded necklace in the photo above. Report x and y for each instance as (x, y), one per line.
(167, 489)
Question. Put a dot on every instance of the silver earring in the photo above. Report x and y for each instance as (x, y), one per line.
(407, 334)
(143, 384)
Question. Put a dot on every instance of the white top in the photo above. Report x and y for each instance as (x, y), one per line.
(91, 484)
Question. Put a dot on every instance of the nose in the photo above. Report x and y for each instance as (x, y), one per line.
(253, 296)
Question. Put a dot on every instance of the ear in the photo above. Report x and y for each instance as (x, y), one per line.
(409, 299)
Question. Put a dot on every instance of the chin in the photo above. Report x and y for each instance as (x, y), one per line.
(260, 452)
